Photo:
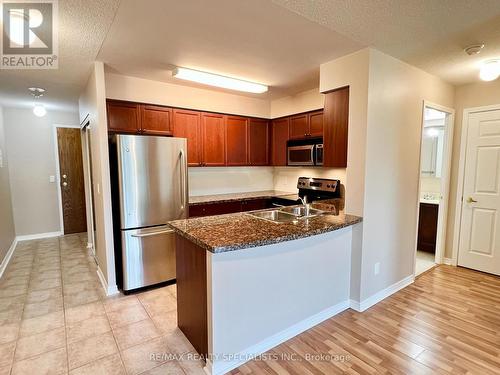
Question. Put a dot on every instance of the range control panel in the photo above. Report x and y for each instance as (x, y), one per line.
(320, 184)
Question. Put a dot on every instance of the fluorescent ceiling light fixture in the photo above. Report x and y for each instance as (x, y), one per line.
(490, 70)
(218, 81)
(39, 110)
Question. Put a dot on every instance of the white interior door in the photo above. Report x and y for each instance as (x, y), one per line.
(480, 225)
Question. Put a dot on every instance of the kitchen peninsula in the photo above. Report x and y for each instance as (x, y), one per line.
(246, 283)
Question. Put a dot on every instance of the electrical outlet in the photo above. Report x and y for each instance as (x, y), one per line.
(376, 268)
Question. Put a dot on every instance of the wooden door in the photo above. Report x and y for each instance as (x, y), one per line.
(123, 117)
(213, 136)
(280, 135)
(336, 118)
(156, 120)
(187, 125)
(316, 124)
(299, 126)
(71, 179)
(258, 141)
(479, 246)
(236, 140)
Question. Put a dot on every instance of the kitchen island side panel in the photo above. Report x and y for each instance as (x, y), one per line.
(192, 293)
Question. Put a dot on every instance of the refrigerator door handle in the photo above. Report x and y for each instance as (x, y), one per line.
(183, 180)
(163, 231)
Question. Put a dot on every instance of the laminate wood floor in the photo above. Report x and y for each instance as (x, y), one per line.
(447, 322)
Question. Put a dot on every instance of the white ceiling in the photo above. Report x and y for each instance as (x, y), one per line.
(276, 42)
(83, 25)
(254, 40)
(429, 34)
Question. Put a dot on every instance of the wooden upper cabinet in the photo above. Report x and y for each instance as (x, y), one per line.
(123, 117)
(156, 120)
(336, 117)
(187, 124)
(258, 142)
(316, 123)
(280, 135)
(299, 126)
(213, 138)
(236, 140)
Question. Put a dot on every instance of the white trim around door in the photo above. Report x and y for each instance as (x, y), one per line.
(445, 180)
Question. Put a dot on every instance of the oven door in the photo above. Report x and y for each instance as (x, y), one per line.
(301, 155)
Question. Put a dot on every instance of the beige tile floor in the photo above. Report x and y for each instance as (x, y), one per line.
(55, 318)
(425, 261)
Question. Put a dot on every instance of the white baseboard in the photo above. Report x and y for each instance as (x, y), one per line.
(377, 297)
(278, 338)
(37, 236)
(7, 257)
(109, 289)
(449, 262)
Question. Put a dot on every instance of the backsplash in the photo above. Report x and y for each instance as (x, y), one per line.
(224, 180)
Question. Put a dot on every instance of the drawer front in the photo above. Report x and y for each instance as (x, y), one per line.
(148, 257)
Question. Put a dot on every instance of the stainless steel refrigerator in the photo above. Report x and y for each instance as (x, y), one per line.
(150, 188)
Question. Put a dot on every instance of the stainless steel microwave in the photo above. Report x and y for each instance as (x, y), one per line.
(305, 152)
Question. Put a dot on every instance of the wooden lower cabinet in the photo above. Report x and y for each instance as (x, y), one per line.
(427, 227)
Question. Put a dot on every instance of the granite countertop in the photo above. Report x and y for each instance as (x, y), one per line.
(220, 198)
(223, 233)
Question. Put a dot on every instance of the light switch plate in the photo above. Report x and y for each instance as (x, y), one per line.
(1, 158)
(52, 179)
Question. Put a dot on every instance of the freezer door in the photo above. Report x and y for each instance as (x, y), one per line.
(148, 256)
(152, 175)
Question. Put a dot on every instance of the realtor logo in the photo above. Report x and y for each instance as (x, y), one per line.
(29, 34)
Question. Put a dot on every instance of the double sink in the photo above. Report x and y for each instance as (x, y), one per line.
(287, 214)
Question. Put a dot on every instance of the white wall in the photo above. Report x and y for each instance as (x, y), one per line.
(92, 106)
(154, 92)
(7, 230)
(302, 102)
(467, 96)
(32, 160)
(385, 117)
(396, 94)
(252, 310)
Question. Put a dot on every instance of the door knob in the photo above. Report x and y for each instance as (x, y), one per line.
(64, 176)
(65, 184)
(471, 200)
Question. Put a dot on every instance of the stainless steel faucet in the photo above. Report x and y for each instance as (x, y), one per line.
(305, 204)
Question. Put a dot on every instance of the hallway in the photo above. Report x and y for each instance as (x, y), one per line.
(54, 317)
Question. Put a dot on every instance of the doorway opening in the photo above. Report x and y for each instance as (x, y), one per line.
(71, 185)
(434, 184)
